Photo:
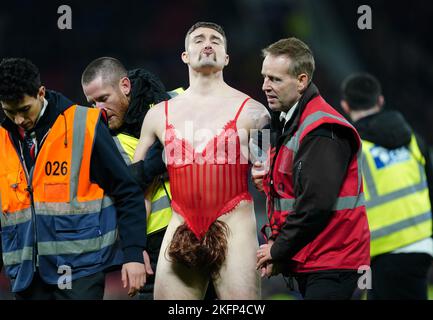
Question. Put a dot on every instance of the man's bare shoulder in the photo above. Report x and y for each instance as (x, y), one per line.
(235, 93)
(155, 117)
(256, 106)
(251, 103)
(180, 99)
(156, 110)
(256, 114)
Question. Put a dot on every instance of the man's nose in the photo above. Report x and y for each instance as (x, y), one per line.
(265, 85)
(18, 120)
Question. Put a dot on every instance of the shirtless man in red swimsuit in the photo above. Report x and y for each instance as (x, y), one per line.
(212, 234)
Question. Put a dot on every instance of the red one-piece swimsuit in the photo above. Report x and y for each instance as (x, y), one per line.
(207, 184)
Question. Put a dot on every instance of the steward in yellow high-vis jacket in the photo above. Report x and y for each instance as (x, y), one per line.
(126, 97)
(397, 173)
(66, 195)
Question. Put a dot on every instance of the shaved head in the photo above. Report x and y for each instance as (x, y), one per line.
(109, 69)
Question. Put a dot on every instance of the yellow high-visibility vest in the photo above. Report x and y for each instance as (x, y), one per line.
(397, 196)
(175, 92)
(160, 213)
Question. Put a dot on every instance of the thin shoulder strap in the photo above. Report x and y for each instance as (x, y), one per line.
(240, 109)
(166, 114)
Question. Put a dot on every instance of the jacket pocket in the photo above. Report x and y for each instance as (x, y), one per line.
(12, 271)
(56, 192)
(9, 236)
(10, 247)
(13, 191)
(78, 245)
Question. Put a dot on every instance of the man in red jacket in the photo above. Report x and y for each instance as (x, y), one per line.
(319, 231)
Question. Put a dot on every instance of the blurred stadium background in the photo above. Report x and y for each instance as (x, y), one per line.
(151, 34)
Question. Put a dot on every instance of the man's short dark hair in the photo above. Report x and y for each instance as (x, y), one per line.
(210, 25)
(110, 69)
(18, 77)
(298, 51)
(361, 91)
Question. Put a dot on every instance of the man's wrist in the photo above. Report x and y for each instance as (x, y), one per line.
(133, 254)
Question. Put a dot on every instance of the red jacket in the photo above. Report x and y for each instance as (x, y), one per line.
(345, 241)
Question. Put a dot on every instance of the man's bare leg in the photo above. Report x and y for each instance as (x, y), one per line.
(238, 278)
(174, 280)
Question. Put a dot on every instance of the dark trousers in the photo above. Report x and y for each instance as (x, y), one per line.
(327, 285)
(400, 276)
(85, 288)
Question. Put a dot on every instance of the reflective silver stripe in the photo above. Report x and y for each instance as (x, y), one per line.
(76, 246)
(360, 166)
(122, 151)
(284, 204)
(342, 203)
(172, 93)
(398, 226)
(160, 204)
(293, 143)
(376, 200)
(80, 120)
(311, 119)
(16, 217)
(106, 202)
(346, 203)
(18, 256)
(396, 195)
(61, 208)
(368, 177)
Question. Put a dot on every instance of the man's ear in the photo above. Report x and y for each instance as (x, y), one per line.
(345, 106)
(41, 92)
(185, 57)
(381, 102)
(125, 85)
(227, 59)
(303, 81)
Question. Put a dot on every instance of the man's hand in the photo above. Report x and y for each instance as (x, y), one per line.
(267, 270)
(134, 276)
(264, 255)
(147, 265)
(264, 260)
(258, 171)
